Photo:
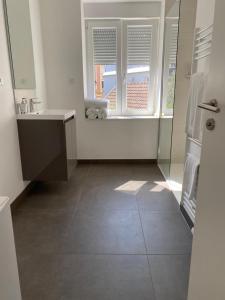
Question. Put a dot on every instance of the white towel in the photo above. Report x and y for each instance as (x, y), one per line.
(191, 172)
(194, 124)
(92, 113)
(101, 103)
(102, 113)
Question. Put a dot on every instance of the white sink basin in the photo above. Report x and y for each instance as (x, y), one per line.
(48, 114)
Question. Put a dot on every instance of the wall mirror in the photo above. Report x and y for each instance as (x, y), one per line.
(168, 86)
(18, 24)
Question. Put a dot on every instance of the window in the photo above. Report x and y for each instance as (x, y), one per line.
(121, 64)
(170, 56)
(105, 64)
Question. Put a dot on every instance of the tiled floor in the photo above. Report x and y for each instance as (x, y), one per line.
(114, 232)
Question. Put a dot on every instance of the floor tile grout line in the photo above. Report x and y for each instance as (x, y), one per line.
(146, 248)
(150, 272)
(78, 254)
(97, 255)
(75, 209)
(105, 254)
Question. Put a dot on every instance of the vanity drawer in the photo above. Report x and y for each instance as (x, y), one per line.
(48, 148)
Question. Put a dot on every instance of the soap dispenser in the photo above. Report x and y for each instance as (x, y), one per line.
(23, 106)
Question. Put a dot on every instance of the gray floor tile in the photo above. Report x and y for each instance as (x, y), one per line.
(41, 232)
(148, 172)
(107, 278)
(107, 197)
(166, 233)
(170, 276)
(50, 201)
(83, 240)
(40, 277)
(106, 181)
(156, 196)
(112, 170)
(72, 277)
(106, 232)
(54, 188)
(80, 173)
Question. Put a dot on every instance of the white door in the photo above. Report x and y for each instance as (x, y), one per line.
(207, 276)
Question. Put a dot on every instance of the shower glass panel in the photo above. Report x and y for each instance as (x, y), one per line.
(168, 86)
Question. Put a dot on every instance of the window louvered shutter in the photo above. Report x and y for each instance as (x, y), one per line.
(105, 46)
(139, 44)
(173, 44)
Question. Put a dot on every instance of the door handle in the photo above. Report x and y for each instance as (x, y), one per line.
(212, 105)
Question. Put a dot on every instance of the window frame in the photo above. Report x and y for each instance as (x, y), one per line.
(121, 26)
(90, 24)
(153, 69)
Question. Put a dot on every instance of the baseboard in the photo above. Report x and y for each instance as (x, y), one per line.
(186, 216)
(117, 161)
(16, 203)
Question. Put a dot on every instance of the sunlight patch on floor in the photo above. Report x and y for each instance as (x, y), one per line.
(131, 186)
(175, 186)
(160, 186)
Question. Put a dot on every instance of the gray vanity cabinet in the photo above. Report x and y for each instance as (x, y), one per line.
(48, 149)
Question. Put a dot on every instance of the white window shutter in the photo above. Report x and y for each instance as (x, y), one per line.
(173, 44)
(104, 46)
(139, 44)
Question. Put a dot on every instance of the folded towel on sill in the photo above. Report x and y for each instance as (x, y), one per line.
(191, 173)
(101, 103)
(102, 113)
(92, 113)
(194, 122)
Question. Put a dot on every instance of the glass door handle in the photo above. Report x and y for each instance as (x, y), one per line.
(212, 105)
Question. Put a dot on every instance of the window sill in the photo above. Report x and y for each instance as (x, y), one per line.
(127, 118)
(131, 117)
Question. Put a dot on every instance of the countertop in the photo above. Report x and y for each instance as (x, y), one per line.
(48, 114)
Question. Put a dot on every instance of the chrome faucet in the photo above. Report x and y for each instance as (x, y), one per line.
(33, 101)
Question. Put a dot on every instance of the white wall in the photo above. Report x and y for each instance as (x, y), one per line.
(205, 13)
(165, 139)
(110, 139)
(11, 183)
(173, 11)
(122, 10)
(168, 5)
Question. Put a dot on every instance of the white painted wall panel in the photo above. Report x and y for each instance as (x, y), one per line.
(122, 10)
(11, 183)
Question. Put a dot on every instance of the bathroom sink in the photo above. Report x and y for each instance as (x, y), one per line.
(48, 114)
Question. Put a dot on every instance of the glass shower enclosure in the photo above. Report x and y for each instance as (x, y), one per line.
(168, 87)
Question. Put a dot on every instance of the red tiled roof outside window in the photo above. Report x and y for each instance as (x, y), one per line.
(137, 96)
